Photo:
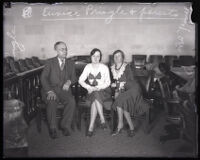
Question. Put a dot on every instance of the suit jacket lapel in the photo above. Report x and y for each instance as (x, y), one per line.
(57, 66)
(66, 67)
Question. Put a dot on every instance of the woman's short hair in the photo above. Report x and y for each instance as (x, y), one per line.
(94, 51)
(57, 43)
(119, 51)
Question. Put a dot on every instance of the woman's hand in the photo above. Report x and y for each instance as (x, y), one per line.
(113, 85)
(121, 85)
(92, 89)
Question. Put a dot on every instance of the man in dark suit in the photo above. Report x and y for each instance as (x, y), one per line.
(56, 78)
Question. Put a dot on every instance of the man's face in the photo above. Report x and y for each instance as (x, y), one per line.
(61, 50)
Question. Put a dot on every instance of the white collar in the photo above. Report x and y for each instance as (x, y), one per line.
(60, 61)
(118, 73)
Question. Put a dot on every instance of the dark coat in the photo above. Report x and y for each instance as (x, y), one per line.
(53, 79)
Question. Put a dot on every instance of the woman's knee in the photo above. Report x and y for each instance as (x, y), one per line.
(119, 109)
(98, 103)
(126, 112)
(96, 95)
(93, 103)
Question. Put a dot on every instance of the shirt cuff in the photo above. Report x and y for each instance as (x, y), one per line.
(50, 92)
(101, 87)
(69, 81)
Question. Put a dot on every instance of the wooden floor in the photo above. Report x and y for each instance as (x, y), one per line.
(102, 144)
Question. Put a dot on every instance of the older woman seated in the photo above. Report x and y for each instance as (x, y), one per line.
(96, 79)
(128, 95)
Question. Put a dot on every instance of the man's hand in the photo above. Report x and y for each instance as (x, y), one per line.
(67, 85)
(51, 95)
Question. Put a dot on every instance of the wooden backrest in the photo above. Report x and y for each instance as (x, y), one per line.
(22, 65)
(139, 60)
(36, 61)
(12, 88)
(165, 93)
(165, 90)
(29, 63)
(155, 58)
(9, 58)
(169, 59)
(187, 60)
(110, 61)
(6, 66)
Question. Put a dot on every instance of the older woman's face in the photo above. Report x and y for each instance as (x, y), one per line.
(118, 58)
(96, 57)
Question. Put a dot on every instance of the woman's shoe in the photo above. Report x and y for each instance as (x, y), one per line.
(90, 133)
(103, 126)
(131, 133)
(117, 131)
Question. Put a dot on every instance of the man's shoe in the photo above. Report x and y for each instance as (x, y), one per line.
(65, 132)
(53, 133)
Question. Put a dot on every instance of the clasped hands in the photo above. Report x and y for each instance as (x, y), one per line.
(121, 85)
(92, 89)
(51, 94)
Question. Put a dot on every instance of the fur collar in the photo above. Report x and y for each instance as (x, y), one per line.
(118, 73)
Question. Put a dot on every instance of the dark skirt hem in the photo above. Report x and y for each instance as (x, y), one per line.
(101, 96)
(132, 103)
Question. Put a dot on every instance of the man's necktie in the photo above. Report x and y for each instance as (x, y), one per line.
(62, 64)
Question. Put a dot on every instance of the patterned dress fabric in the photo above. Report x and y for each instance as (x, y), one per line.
(130, 98)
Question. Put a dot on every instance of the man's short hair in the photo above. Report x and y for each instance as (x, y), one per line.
(57, 43)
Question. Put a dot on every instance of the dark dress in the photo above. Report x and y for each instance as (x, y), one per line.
(102, 95)
(131, 98)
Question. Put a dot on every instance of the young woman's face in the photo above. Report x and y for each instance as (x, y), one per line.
(118, 58)
(96, 57)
